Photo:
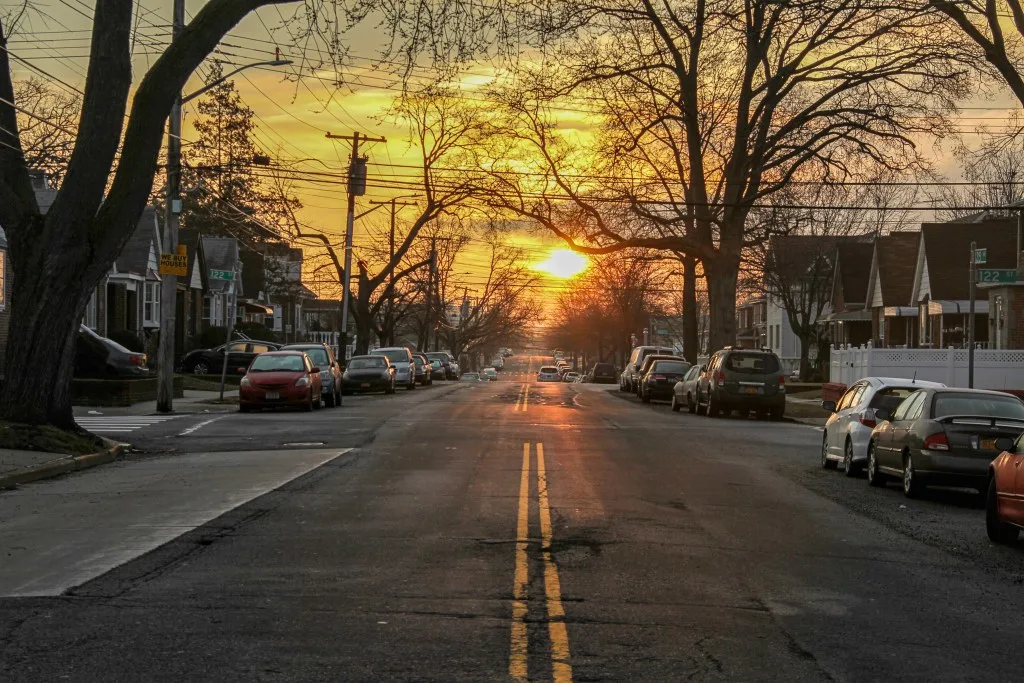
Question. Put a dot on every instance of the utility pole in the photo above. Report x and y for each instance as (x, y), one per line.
(169, 284)
(430, 295)
(391, 256)
(970, 322)
(356, 187)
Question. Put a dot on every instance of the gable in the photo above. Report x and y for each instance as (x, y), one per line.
(197, 280)
(919, 264)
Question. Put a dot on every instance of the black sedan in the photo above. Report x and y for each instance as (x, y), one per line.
(368, 373)
(660, 379)
(240, 355)
(602, 373)
(942, 436)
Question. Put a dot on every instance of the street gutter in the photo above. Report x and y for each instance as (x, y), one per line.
(61, 465)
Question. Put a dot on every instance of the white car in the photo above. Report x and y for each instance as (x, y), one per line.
(549, 373)
(571, 377)
(848, 429)
(489, 373)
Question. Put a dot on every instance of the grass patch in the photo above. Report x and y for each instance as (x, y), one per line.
(209, 382)
(47, 439)
(795, 410)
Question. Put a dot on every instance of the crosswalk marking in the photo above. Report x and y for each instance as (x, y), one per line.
(119, 424)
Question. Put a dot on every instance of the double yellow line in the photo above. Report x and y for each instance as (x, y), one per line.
(561, 668)
(523, 399)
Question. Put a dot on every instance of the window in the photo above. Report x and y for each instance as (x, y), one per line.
(151, 304)
(987, 405)
(236, 347)
(847, 400)
(89, 318)
(752, 363)
(907, 406)
(260, 348)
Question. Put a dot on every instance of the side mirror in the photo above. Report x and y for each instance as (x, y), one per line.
(314, 371)
(1004, 443)
(882, 415)
(242, 371)
(830, 406)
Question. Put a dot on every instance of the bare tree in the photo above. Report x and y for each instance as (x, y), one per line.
(46, 125)
(996, 177)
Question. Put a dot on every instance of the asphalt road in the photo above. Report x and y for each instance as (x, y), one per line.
(516, 530)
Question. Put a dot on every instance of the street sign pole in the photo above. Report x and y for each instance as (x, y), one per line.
(970, 322)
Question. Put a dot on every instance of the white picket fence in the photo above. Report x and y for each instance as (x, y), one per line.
(1003, 369)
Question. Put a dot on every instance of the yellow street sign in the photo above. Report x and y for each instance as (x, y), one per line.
(173, 264)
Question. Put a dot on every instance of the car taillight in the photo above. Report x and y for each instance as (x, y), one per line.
(782, 380)
(720, 376)
(868, 419)
(937, 442)
(137, 360)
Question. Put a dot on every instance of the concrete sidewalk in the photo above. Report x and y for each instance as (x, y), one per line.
(194, 402)
(22, 467)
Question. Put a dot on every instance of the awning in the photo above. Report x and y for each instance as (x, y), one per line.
(848, 316)
(256, 307)
(900, 311)
(963, 307)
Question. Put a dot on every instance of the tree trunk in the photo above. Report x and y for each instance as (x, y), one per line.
(690, 338)
(805, 357)
(721, 275)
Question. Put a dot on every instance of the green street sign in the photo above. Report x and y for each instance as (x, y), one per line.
(226, 275)
(997, 275)
(981, 256)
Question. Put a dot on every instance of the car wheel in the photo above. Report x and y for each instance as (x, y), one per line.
(644, 396)
(776, 414)
(826, 462)
(330, 401)
(713, 409)
(337, 397)
(698, 408)
(242, 408)
(201, 368)
(998, 530)
(675, 404)
(850, 468)
(690, 405)
(309, 403)
(875, 478)
(318, 402)
(412, 385)
(911, 482)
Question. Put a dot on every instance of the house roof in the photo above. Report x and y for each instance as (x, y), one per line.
(134, 256)
(791, 256)
(194, 247)
(947, 253)
(853, 267)
(221, 254)
(895, 255)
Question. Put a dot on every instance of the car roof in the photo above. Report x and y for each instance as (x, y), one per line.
(899, 382)
(292, 352)
(308, 345)
(391, 348)
(964, 390)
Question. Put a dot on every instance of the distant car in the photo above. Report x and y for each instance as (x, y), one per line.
(742, 380)
(571, 377)
(330, 370)
(280, 378)
(451, 368)
(369, 373)
(629, 378)
(424, 371)
(490, 373)
(436, 369)
(661, 377)
(684, 392)
(848, 429)
(942, 436)
(470, 377)
(99, 357)
(602, 373)
(240, 355)
(498, 363)
(549, 373)
(1004, 510)
(401, 359)
(645, 365)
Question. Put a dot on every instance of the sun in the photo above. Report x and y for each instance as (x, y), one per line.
(563, 263)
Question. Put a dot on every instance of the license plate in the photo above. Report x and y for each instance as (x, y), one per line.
(749, 390)
(364, 385)
(988, 444)
(273, 395)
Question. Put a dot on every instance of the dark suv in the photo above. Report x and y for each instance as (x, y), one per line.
(742, 380)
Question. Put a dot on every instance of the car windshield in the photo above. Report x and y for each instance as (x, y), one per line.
(469, 376)
(888, 398)
(435, 363)
(438, 355)
(269, 363)
(547, 369)
(418, 361)
(989, 405)
(674, 366)
(317, 354)
(752, 363)
(604, 367)
(394, 355)
(366, 364)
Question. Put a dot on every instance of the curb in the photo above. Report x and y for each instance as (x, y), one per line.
(55, 468)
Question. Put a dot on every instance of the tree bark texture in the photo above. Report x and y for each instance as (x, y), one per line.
(722, 275)
(690, 338)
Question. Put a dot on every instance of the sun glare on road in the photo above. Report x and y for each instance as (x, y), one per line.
(563, 263)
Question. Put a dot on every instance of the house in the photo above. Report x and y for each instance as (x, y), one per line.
(282, 268)
(220, 303)
(255, 307)
(191, 292)
(751, 318)
(850, 319)
(942, 271)
(890, 284)
(131, 292)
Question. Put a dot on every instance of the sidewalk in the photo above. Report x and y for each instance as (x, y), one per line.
(194, 402)
(20, 467)
(806, 411)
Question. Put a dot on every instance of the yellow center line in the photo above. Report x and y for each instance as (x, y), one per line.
(519, 399)
(520, 642)
(526, 396)
(561, 669)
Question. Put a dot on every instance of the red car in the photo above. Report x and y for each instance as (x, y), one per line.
(280, 378)
(1004, 505)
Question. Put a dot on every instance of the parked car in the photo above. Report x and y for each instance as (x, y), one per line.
(471, 377)
(240, 355)
(602, 373)
(942, 436)
(451, 368)
(489, 373)
(368, 373)
(630, 378)
(661, 377)
(436, 369)
(646, 363)
(684, 393)
(848, 429)
(1004, 500)
(498, 363)
(549, 373)
(330, 370)
(570, 377)
(401, 359)
(99, 357)
(280, 378)
(744, 380)
(423, 369)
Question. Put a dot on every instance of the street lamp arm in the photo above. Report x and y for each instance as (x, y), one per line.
(209, 86)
